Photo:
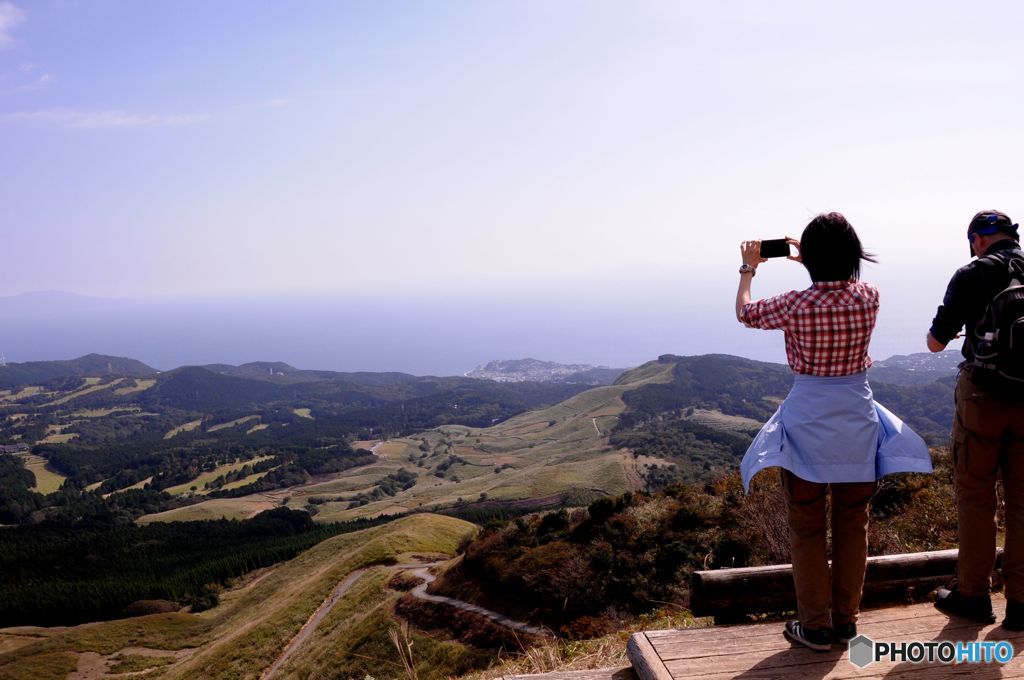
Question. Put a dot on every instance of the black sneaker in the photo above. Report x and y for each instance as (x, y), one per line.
(974, 607)
(1014, 616)
(818, 639)
(845, 632)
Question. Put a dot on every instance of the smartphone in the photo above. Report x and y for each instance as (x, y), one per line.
(776, 247)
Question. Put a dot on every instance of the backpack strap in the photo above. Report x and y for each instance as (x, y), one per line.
(1016, 266)
(1014, 263)
(1013, 260)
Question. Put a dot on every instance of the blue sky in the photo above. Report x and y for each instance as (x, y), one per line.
(515, 148)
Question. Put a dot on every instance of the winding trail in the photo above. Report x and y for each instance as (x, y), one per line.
(420, 592)
(323, 610)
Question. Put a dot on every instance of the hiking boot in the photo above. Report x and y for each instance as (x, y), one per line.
(1014, 619)
(844, 632)
(818, 639)
(974, 607)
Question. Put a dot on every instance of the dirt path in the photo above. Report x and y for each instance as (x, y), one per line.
(594, 420)
(323, 610)
(634, 479)
(420, 592)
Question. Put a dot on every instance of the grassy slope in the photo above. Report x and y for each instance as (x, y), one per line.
(141, 385)
(551, 451)
(233, 423)
(200, 481)
(242, 636)
(91, 386)
(47, 481)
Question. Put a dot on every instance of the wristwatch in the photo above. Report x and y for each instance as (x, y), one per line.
(745, 268)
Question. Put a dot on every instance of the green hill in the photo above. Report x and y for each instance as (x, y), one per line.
(257, 616)
(676, 419)
(195, 388)
(42, 372)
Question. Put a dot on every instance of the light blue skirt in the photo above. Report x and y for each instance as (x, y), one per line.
(832, 430)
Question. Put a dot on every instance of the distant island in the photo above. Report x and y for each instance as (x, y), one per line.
(535, 370)
(916, 369)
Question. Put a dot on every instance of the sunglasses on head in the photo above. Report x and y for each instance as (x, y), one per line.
(987, 231)
(982, 232)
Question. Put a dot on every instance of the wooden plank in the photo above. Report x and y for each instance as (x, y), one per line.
(679, 649)
(646, 663)
(845, 671)
(931, 627)
(804, 663)
(761, 652)
(868, 619)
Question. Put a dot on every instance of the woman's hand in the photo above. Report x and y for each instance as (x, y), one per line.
(796, 244)
(750, 251)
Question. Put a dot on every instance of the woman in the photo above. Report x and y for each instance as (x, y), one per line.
(828, 435)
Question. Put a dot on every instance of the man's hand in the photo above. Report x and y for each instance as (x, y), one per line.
(934, 345)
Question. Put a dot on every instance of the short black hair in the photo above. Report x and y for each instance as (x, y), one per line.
(830, 249)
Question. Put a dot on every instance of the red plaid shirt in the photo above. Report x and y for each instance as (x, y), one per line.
(828, 326)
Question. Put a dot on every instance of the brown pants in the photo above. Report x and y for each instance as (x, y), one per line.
(988, 438)
(827, 597)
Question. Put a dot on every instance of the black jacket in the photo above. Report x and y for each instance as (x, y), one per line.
(970, 290)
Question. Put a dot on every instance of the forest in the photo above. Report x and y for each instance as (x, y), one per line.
(64, 573)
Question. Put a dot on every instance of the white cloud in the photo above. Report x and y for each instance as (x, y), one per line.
(37, 83)
(71, 118)
(10, 16)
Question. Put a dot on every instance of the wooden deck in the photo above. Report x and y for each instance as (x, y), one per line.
(760, 652)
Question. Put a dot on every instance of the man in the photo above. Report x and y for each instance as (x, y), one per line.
(988, 432)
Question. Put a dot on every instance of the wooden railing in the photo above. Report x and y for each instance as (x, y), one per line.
(731, 594)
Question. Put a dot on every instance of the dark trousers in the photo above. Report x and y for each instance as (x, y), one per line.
(828, 596)
(988, 440)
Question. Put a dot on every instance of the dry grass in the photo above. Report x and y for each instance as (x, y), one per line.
(24, 393)
(245, 633)
(578, 655)
(303, 412)
(92, 385)
(47, 481)
(56, 434)
(233, 423)
(187, 427)
(217, 508)
(103, 412)
(201, 481)
(551, 451)
(246, 480)
(721, 421)
(141, 385)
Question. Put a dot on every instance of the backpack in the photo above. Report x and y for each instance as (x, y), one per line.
(999, 336)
